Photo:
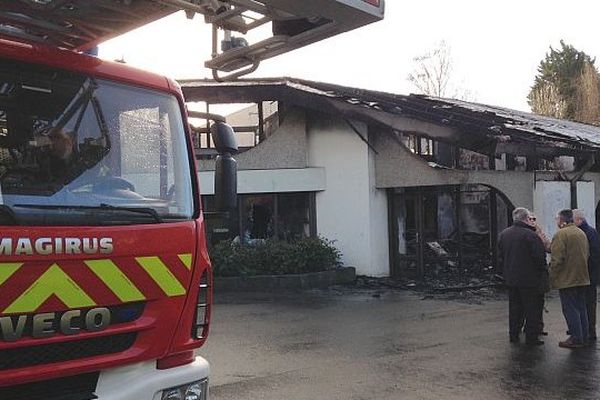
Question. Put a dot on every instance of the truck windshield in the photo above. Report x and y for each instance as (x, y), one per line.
(75, 150)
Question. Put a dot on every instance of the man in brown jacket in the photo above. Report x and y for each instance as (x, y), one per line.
(569, 274)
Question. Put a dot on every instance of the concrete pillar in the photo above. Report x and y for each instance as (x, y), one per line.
(350, 210)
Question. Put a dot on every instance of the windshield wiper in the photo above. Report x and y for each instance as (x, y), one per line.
(139, 210)
(102, 207)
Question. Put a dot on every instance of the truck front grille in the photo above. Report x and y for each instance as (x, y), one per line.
(80, 387)
(22, 357)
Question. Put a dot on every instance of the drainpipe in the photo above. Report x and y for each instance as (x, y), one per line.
(573, 181)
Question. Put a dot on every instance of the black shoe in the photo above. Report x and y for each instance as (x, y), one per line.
(592, 338)
(534, 342)
(543, 333)
(514, 339)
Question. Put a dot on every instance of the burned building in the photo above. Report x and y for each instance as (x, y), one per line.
(407, 185)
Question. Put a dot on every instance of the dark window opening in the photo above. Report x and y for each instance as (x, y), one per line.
(419, 145)
(446, 154)
(279, 216)
(453, 156)
(471, 160)
(446, 233)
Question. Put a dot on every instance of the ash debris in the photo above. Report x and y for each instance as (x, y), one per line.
(472, 280)
(465, 290)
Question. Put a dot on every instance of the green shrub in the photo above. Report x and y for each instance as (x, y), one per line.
(274, 257)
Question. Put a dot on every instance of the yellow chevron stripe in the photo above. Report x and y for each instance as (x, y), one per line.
(186, 259)
(7, 270)
(116, 280)
(53, 282)
(161, 274)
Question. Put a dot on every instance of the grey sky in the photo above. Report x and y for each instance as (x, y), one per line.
(496, 46)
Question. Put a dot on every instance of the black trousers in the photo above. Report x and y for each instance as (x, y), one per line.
(525, 304)
(591, 300)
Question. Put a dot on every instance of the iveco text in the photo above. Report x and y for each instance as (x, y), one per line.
(47, 246)
(43, 325)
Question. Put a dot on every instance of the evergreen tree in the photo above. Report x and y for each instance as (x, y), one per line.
(567, 80)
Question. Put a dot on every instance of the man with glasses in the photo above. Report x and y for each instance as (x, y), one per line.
(545, 283)
(540, 232)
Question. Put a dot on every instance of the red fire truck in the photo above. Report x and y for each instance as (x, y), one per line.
(105, 279)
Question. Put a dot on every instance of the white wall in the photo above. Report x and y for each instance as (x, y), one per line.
(550, 197)
(586, 201)
(350, 211)
(269, 181)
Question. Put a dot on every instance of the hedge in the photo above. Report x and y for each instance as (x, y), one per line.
(274, 257)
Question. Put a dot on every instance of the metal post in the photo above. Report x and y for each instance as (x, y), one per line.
(458, 203)
(208, 138)
(392, 235)
(261, 122)
(493, 204)
(418, 198)
(312, 212)
(275, 216)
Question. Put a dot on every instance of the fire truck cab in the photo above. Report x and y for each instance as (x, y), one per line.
(105, 278)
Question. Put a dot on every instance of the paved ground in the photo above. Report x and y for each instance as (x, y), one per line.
(350, 345)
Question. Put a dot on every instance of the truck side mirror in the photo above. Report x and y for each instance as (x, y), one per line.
(225, 167)
(223, 138)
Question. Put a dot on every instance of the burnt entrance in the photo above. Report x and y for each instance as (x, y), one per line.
(445, 232)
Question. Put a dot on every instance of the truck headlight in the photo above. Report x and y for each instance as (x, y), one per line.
(191, 391)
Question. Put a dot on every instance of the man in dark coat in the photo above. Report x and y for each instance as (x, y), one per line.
(591, 295)
(522, 258)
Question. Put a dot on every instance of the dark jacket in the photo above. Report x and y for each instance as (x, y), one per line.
(594, 260)
(522, 256)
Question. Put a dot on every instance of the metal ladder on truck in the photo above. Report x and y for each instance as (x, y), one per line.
(82, 24)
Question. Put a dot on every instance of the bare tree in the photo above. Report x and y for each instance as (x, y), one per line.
(433, 74)
(545, 99)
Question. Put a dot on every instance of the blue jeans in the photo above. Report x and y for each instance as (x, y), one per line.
(574, 309)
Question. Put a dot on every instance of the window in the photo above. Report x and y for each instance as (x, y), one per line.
(252, 123)
(280, 216)
(420, 145)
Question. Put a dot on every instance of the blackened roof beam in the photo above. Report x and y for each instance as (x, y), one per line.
(476, 126)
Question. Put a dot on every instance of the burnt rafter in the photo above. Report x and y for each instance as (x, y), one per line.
(510, 125)
(481, 131)
(477, 127)
(472, 127)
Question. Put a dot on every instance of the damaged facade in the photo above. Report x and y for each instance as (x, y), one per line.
(407, 186)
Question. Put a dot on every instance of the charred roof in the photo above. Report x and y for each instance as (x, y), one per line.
(483, 128)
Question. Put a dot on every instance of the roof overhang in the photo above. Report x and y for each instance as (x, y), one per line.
(477, 127)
